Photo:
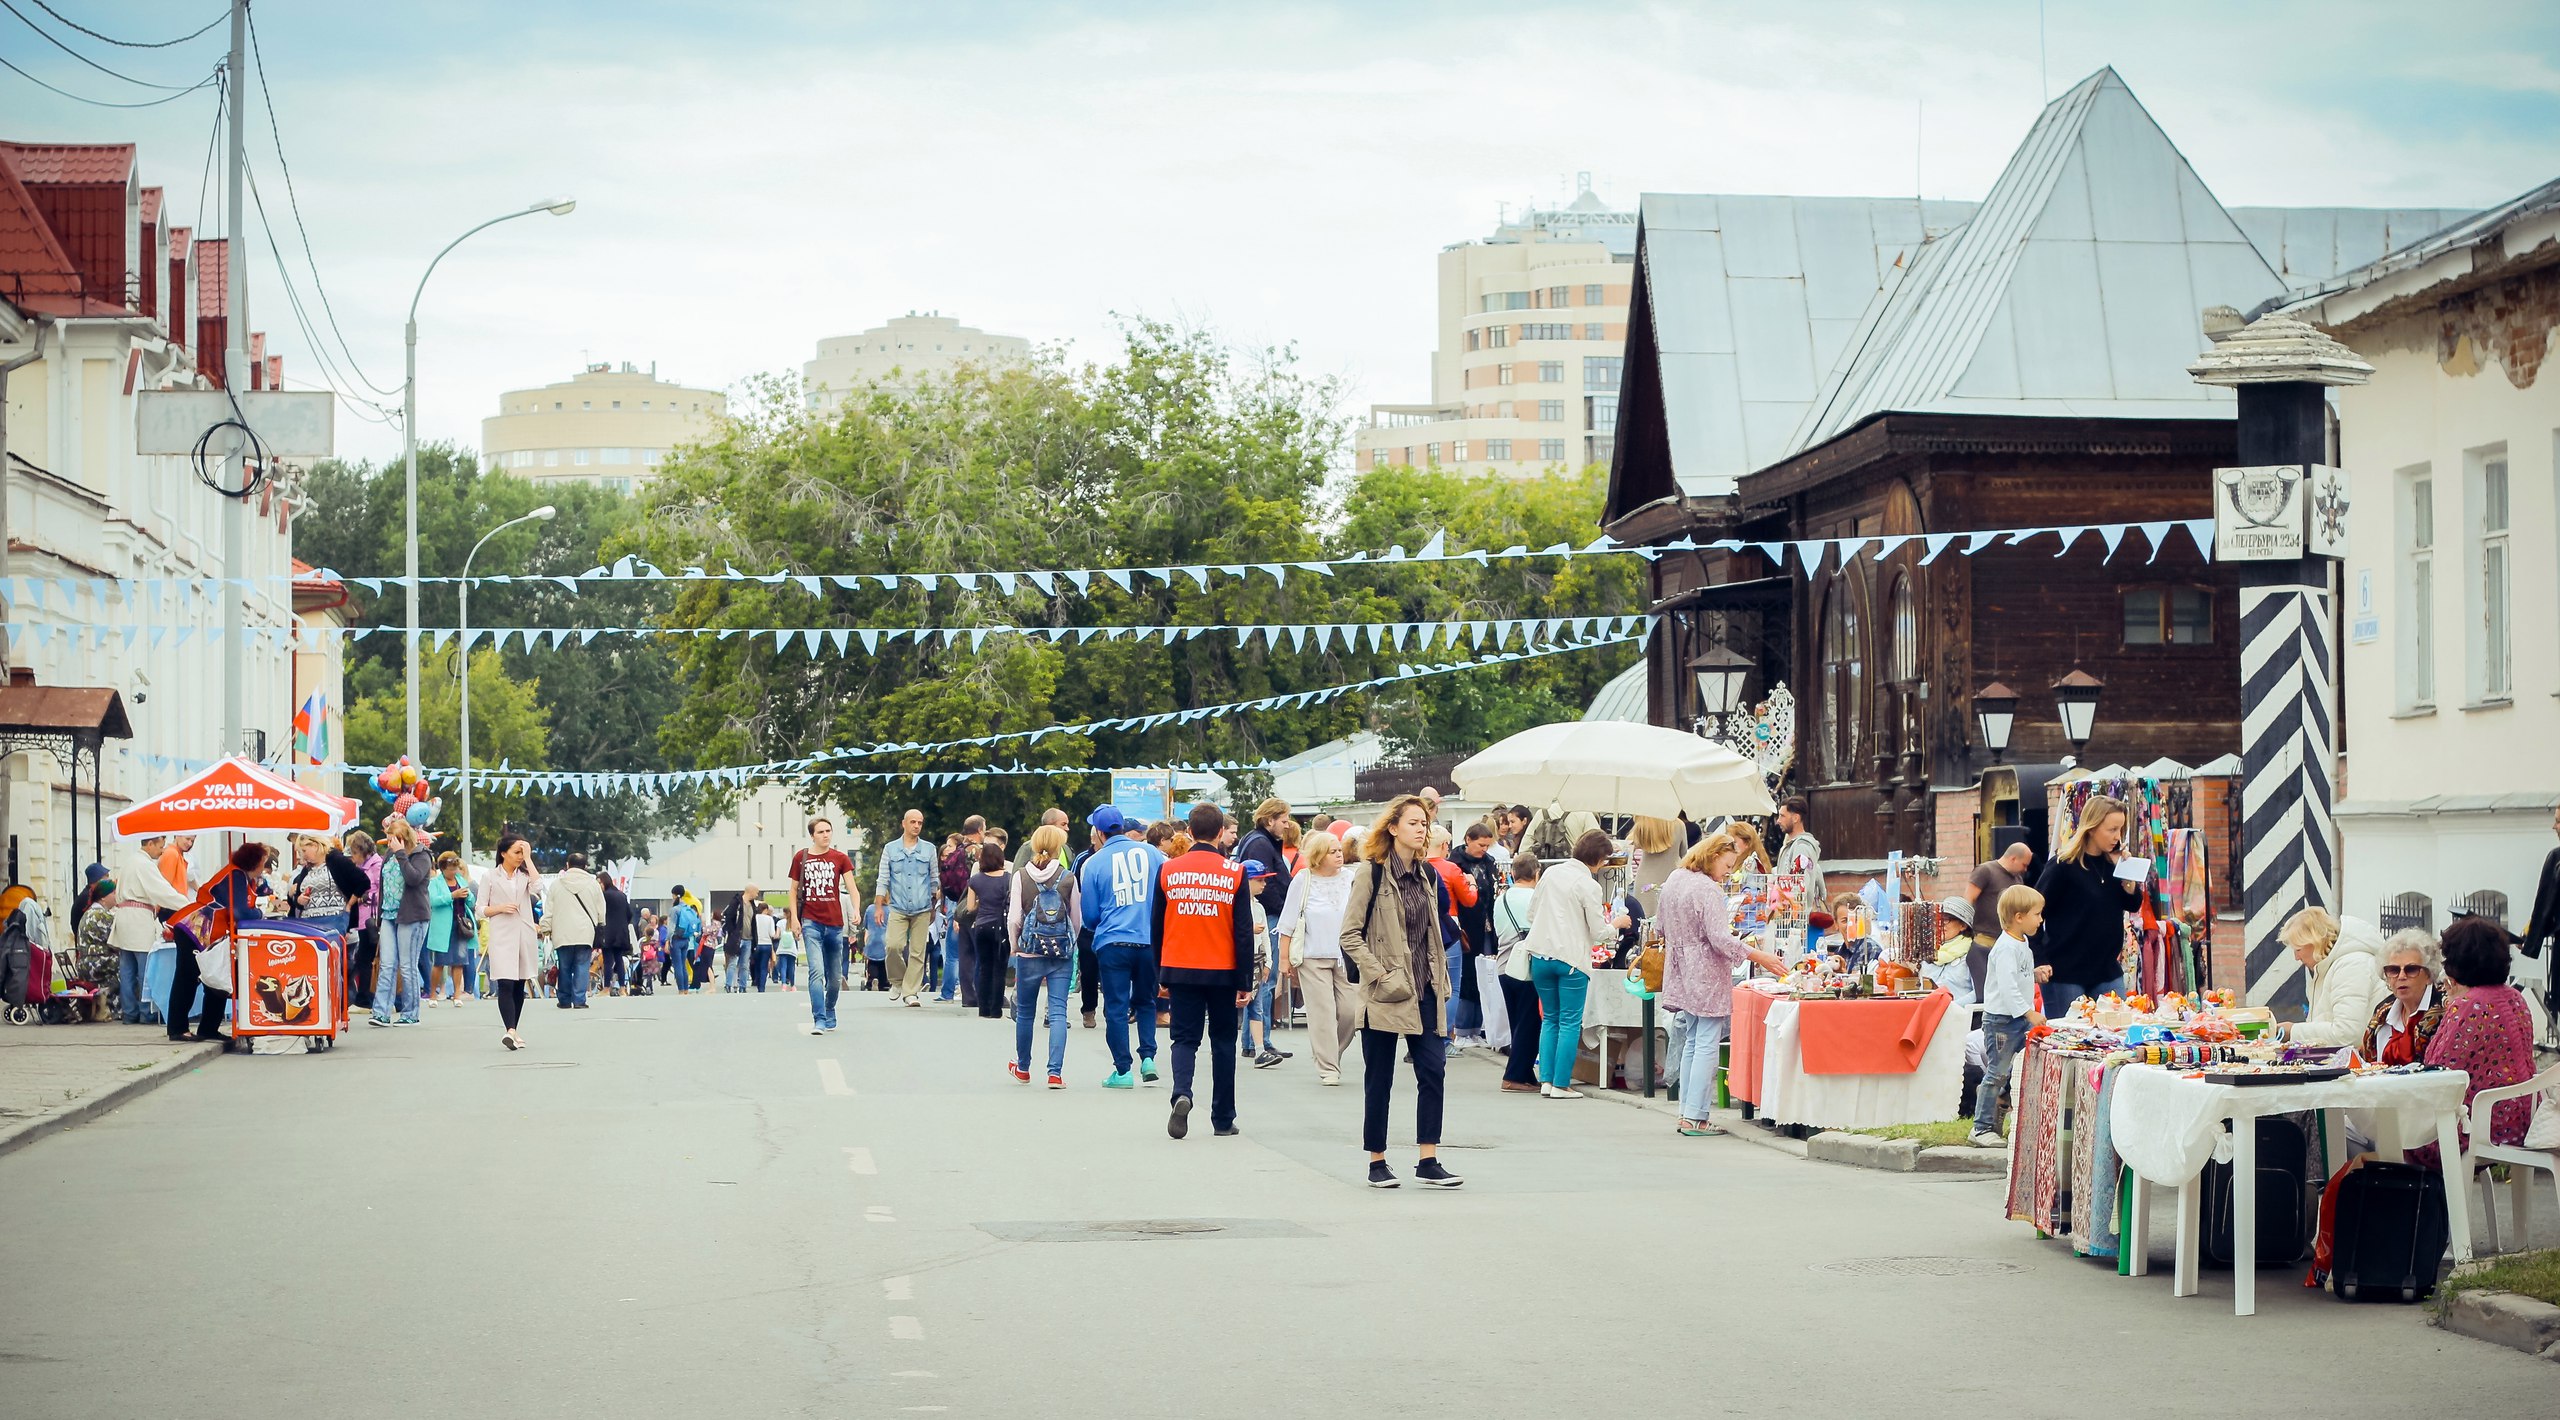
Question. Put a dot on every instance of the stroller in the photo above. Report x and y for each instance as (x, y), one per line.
(644, 972)
(27, 963)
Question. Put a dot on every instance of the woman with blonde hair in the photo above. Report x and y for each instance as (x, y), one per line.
(2084, 907)
(2344, 961)
(1391, 931)
(1311, 948)
(1040, 923)
(1699, 952)
(1753, 855)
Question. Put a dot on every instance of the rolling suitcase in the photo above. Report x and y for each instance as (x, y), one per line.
(2284, 1223)
(2390, 1234)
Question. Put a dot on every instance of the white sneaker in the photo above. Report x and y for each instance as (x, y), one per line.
(915, 1001)
(1559, 1092)
(1985, 1139)
(1329, 1077)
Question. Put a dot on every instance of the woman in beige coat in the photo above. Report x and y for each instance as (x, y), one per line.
(507, 895)
(1391, 932)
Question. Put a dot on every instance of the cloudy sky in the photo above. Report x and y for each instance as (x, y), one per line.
(754, 175)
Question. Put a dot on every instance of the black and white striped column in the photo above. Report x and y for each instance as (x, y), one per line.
(2288, 839)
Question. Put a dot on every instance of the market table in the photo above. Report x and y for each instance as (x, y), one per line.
(2166, 1123)
(1769, 1066)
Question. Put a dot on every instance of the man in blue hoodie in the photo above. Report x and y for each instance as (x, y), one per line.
(1118, 889)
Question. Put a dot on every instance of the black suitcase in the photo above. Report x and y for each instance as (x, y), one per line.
(2284, 1215)
(2390, 1234)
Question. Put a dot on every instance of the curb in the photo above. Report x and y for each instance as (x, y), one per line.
(2505, 1319)
(1668, 1106)
(142, 1082)
(1834, 1146)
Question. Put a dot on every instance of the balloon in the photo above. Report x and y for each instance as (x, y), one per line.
(420, 815)
(404, 803)
(388, 781)
(409, 774)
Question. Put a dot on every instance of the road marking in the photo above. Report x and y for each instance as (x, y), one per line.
(859, 1161)
(877, 1213)
(914, 1375)
(898, 1289)
(831, 1075)
(905, 1328)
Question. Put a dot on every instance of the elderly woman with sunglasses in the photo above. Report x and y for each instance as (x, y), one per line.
(2413, 1004)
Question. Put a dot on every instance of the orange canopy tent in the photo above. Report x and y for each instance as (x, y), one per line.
(236, 796)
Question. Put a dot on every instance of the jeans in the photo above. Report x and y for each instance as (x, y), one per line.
(988, 959)
(574, 965)
(1212, 1007)
(1128, 988)
(395, 982)
(782, 970)
(1698, 1060)
(1465, 1016)
(2059, 994)
(958, 977)
(760, 965)
(130, 967)
(824, 946)
(1088, 974)
(1560, 992)
(1520, 1000)
(1378, 1079)
(733, 976)
(2002, 1038)
(910, 940)
(680, 964)
(1257, 1012)
(1029, 975)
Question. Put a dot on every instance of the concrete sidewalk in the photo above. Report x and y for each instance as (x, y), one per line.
(53, 1077)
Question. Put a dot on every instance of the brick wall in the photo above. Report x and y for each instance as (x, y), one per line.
(2509, 322)
(1959, 813)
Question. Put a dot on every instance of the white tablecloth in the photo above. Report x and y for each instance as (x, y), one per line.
(2166, 1126)
(1790, 1096)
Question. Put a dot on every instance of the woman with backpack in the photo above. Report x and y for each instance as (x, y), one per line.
(1041, 924)
(684, 933)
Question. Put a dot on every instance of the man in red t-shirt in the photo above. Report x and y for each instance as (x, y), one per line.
(821, 880)
(1202, 925)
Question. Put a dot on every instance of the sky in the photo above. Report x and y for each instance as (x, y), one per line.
(755, 175)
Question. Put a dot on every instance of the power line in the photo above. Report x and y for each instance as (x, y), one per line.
(204, 184)
(275, 132)
(103, 103)
(49, 38)
(331, 377)
(128, 43)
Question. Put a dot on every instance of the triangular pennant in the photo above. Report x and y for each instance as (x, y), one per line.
(1047, 582)
(2111, 534)
(1083, 581)
(2200, 532)
(1119, 575)
(2155, 534)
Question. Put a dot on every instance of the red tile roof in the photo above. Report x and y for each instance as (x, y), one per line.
(33, 265)
(213, 277)
(151, 204)
(70, 162)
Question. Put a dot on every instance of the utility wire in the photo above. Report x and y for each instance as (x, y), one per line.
(331, 376)
(49, 38)
(204, 184)
(275, 132)
(103, 103)
(128, 43)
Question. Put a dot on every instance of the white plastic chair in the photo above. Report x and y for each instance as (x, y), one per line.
(2522, 1163)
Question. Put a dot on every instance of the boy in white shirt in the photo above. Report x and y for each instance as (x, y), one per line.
(2008, 1006)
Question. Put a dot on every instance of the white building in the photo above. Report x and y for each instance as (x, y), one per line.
(2450, 620)
(752, 843)
(603, 426)
(108, 545)
(900, 354)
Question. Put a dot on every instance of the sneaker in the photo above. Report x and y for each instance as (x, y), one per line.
(1985, 1139)
(1118, 1080)
(1328, 1077)
(1088, 1020)
(1225, 1131)
(1559, 1092)
(1380, 1176)
(1057, 1082)
(915, 1001)
(1147, 1070)
(1267, 1059)
(376, 1021)
(1430, 1172)
(1180, 1123)
(1523, 1087)
(1020, 1075)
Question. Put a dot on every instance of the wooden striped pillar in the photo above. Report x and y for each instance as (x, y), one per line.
(2288, 750)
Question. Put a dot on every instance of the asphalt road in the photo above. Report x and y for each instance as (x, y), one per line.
(690, 1207)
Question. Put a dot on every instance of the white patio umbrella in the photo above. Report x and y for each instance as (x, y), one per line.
(1611, 767)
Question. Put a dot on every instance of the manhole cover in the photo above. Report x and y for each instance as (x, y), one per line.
(1145, 1230)
(534, 1065)
(1918, 1267)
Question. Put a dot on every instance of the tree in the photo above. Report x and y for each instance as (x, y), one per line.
(509, 724)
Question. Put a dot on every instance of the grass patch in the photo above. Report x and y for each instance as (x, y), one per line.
(2529, 1274)
(139, 1065)
(1945, 1131)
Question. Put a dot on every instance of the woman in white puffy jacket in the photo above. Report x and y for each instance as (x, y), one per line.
(2345, 962)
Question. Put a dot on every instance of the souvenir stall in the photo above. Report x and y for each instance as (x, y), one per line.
(287, 980)
(2168, 944)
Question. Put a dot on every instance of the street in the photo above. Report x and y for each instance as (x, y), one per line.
(691, 1207)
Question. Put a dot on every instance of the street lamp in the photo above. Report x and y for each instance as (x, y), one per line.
(2075, 696)
(545, 513)
(557, 207)
(1995, 712)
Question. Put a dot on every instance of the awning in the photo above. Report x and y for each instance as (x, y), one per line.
(236, 796)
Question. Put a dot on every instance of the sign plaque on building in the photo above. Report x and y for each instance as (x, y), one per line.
(2279, 512)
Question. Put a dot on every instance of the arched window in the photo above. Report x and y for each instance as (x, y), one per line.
(1844, 684)
(1906, 632)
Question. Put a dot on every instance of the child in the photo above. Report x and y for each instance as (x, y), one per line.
(875, 948)
(786, 958)
(2008, 1006)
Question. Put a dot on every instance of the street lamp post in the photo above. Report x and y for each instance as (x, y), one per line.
(557, 207)
(2075, 699)
(542, 514)
(1720, 674)
(1995, 711)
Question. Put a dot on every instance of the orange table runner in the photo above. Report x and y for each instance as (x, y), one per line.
(1749, 1035)
(1867, 1037)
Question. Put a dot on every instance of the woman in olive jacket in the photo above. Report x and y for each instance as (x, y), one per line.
(1391, 931)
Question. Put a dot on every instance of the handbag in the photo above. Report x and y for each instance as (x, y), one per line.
(1515, 958)
(1648, 967)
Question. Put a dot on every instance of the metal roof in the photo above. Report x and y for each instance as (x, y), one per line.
(2074, 287)
(1623, 699)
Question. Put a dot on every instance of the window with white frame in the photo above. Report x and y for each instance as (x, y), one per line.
(1498, 449)
(1431, 453)
(580, 456)
(2416, 609)
(1550, 411)
(1551, 372)
(2492, 668)
(617, 456)
(1551, 450)
(1600, 413)
(550, 458)
(1595, 295)
(1458, 451)
(1502, 374)
(1595, 331)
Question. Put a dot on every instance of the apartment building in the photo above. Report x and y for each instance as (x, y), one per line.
(110, 550)
(900, 354)
(1532, 335)
(606, 425)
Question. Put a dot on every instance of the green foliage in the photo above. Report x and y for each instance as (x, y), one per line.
(509, 724)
